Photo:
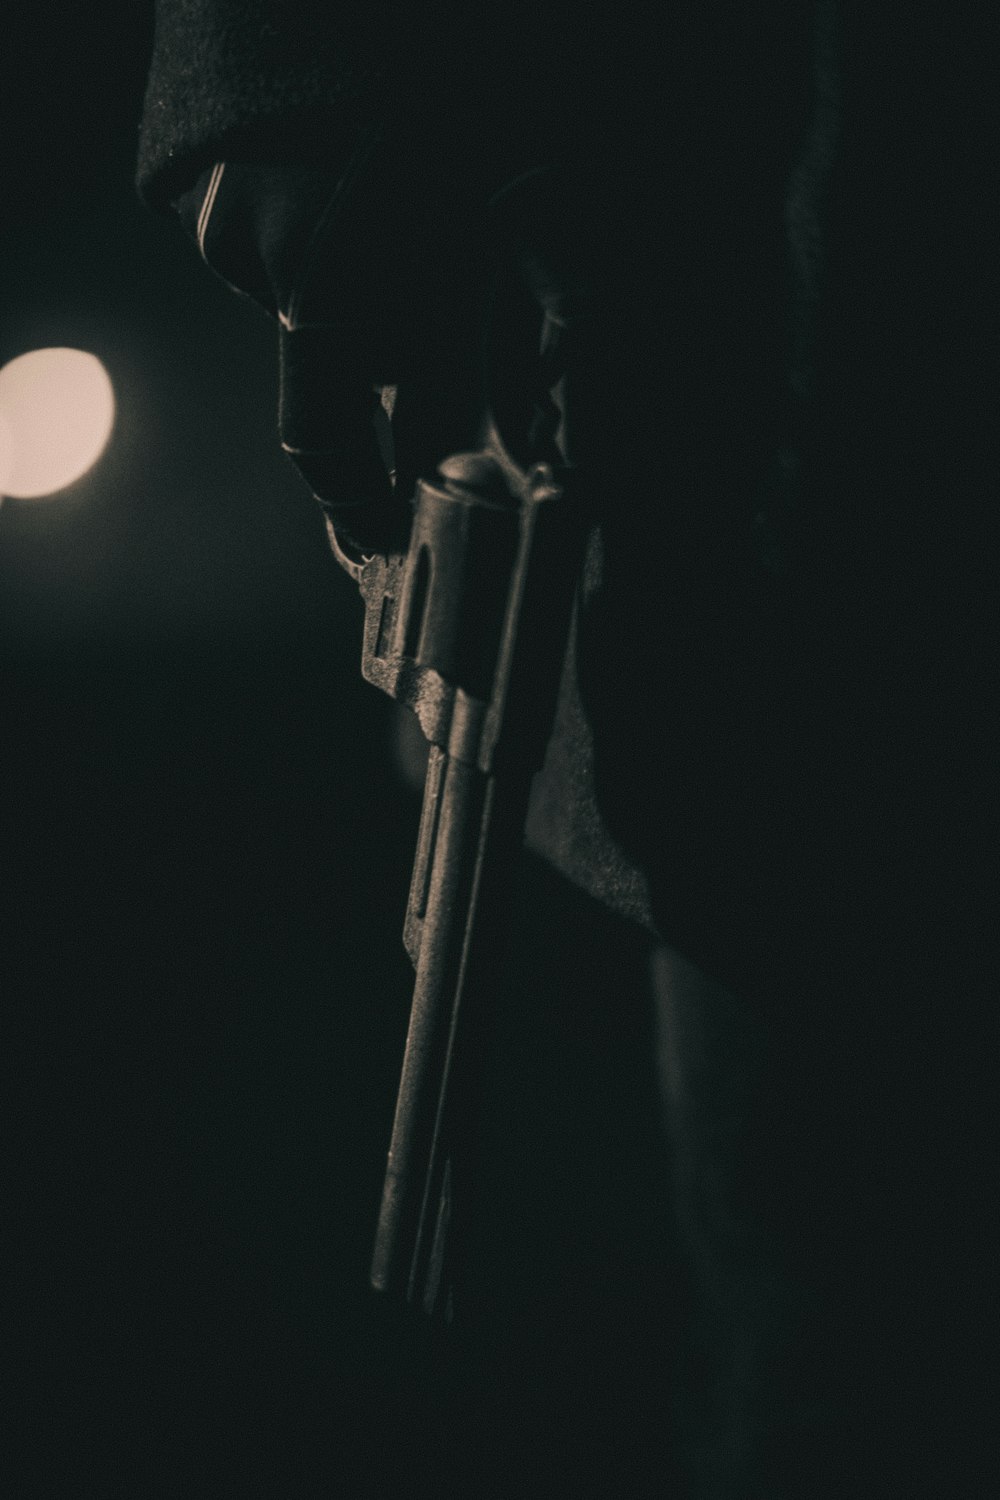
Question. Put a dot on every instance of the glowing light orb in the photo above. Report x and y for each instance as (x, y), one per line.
(57, 409)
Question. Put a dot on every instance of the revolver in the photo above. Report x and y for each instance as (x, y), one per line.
(468, 629)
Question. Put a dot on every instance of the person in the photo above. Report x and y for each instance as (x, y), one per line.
(771, 767)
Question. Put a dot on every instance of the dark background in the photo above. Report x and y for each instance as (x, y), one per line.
(206, 844)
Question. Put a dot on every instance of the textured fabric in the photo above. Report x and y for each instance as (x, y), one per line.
(299, 79)
(274, 72)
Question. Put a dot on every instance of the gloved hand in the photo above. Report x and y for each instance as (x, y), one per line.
(376, 278)
(380, 275)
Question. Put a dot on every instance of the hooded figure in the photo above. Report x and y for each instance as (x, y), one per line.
(773, 750)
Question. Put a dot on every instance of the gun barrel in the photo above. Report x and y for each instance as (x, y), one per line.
(460, 793)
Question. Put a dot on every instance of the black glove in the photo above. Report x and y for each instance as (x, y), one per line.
(381, 277)
(377, 279)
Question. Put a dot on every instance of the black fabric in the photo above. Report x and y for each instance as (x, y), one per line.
(305, 74)
(299, 80)
(487, 82)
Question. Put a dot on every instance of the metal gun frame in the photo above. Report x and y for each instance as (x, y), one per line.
(469, 630)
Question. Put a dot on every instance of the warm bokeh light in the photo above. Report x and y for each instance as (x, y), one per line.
(57, 409)
(6, 453)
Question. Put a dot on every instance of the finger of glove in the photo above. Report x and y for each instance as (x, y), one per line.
(252, 221)
(327, 427)
(256, 225)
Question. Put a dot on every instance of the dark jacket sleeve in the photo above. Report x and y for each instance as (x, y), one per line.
(301, 80)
